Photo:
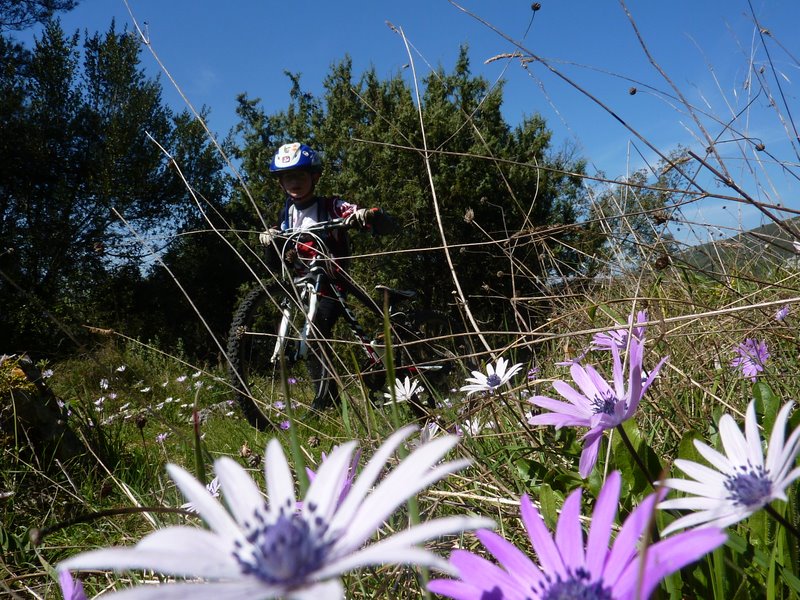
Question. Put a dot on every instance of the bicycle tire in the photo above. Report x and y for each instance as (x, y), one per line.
(256, 380)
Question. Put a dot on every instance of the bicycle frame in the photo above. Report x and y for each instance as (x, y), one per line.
(267, 331)
(309, 287)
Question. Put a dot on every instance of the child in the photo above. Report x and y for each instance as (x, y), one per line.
(298, 169)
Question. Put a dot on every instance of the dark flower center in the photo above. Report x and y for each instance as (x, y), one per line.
(751, 487)
(577, 586)
(604, 403)
(493, 381)
(284, 552)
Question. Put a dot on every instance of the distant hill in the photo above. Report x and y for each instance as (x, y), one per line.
(760, 248)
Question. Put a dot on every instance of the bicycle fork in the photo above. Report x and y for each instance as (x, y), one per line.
(309, 294)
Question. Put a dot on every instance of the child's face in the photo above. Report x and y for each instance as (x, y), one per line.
(298, 184)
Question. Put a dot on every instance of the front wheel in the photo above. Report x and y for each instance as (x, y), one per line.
(254, 368)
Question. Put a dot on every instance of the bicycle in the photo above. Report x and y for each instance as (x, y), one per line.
(272, 325)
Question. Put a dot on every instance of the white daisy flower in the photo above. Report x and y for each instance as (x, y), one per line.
(428, 431)
(269, 550)
(475, 425)
(404, 390)
(495, 377)
(741, 482)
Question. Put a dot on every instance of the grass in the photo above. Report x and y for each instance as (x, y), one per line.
(144, 420)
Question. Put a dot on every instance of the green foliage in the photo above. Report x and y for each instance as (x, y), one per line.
(16, 15)
(489, 182)
(13, 378)
(76, 119)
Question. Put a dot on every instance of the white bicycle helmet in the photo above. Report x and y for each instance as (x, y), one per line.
(294, 157)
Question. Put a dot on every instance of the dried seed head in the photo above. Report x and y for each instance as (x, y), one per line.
(632, 90)
(469, 215)
(245, 451)
(660, 216)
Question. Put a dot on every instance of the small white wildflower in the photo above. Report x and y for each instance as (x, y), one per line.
(404, 391)
(495, 376)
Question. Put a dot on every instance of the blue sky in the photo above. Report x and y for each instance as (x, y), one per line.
(216, 50)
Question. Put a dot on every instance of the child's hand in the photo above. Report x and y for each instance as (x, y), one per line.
(361, 217)
(268, 237)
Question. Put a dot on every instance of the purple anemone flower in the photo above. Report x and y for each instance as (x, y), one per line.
(571, 567)
(619, 337)
(72, 589)
(597, 406)
(782, 313)
(752, 355)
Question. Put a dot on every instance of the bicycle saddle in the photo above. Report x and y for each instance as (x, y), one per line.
(395, 294)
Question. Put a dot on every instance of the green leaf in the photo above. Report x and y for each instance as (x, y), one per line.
(345, 405)
(767, 404)
(640, 464)
(592, 312)
(718, 580)
(549, 503)
(686, 448)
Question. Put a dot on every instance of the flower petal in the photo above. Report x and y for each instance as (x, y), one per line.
(203, 559)
(626, 543)
(280, 484)
(541, 540)
(324, 492)
(564, 408)
(733, 441)
(513, 560)
(240, 491)
(413, 474)
(206, 506)
(591, 448)
(602, 520)
(362, 485)
(400, 548)
(664, 558)
(569, 533)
